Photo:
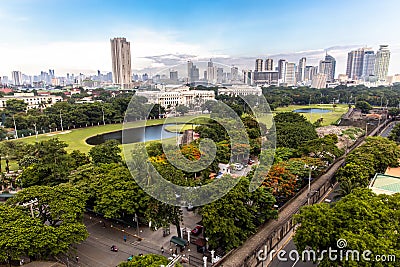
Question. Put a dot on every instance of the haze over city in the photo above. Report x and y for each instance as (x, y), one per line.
(73, 36)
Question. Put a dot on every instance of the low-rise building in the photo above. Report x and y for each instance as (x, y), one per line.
(32, 100)
(243, 90)
(178, 96)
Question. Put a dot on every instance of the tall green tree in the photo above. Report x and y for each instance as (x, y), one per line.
(365, 220)
(108, 152)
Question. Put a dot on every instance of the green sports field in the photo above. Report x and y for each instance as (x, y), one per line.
(328, 118)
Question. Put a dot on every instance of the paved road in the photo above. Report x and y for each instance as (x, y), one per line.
(95, 250)
(290, 246)
(388, 129)
(236, 258)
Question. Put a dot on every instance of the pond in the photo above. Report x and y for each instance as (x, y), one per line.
(134, 135)
(312, 110)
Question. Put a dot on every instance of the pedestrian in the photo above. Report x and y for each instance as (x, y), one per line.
(124, 238)
(77, 259)
(176, 251)
(162, 250)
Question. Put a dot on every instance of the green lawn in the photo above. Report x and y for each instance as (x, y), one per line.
(328, 118)
(76, 138)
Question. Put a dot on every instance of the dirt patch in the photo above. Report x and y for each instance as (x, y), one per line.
(347, 135)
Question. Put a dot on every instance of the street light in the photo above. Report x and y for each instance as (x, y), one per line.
(311, 168)
(366, 128)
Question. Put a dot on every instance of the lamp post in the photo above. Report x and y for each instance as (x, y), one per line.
(310, 167)
(61, 122)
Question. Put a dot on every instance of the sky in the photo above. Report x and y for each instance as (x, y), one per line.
(74, 36)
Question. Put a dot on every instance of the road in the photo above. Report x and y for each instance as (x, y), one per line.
(290, 246)
(388, 129)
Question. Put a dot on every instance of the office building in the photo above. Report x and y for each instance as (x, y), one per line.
(281, 70)
(211, 72)
(355, 60)
(173, 75)
(368, 65)
(259, 65)
(269, 64)
(301, 70)
(17, 77)
(327, 67)
(234, 73)
(319, 81)
(382, 62)
(121, 62)
(290, 74)
(310, 72)
(220, 75)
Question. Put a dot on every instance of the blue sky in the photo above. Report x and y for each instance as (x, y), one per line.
(73, 36)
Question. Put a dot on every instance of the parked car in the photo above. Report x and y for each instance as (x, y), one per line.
(197, 230)
(250, 162)
(114, 248)
(238, 166)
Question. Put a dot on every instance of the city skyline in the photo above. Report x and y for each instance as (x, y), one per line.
(42, 35)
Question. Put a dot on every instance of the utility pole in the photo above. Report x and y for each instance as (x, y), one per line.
(36, 133)
(61, 121)
(15, 127)
(102, 110)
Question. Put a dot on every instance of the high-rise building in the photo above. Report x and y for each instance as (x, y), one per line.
(319, 81)
(259, 65)
(301, 70)
(290, 74)
(281, 69)
(327, 67)
(269, 64)
(173, 75)
(355, 60)
(234, 73)
(368, 64)
(310, 72)
(189, 70)
(382, 62)
(195, 74)
(121, 62)
(17, 77)
(220, 75)
(211, 72)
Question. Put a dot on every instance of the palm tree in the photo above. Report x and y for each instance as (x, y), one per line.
(346, 187)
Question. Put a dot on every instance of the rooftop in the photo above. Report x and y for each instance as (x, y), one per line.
(385, 184)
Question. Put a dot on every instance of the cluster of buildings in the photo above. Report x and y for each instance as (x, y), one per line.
(363, 66)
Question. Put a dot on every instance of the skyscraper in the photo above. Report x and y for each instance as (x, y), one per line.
(189, 70)
(368, 64)
(121, 62)
(17, 77)
(259, 65)
(301, 70)
(382, 62)
(327, 67)
(281, 69)
(173, 75)
(355, 60)
(234, 73)
(211, 72)
(290, 74)
(269, 64)
(310, 72)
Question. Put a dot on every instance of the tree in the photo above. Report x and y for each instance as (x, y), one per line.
(324, 148)
(182, 109)
(395, 134)
(365, 220)
(56, 223)
(148, 260)
(231, 219)
(108, 152)
(294, 134)
(14, 106)
(364, 106)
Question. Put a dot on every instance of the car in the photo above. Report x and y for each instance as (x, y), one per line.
(238, 166)
(130, 258)
(250, 162)
(197, 230)
(114, 248)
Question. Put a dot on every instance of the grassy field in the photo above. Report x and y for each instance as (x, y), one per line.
(76, 138)
(328, 118)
